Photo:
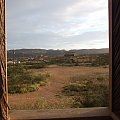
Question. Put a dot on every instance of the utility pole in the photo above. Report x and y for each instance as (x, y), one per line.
(13, 57)
(13, 63)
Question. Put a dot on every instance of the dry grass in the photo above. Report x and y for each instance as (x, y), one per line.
(50, 96)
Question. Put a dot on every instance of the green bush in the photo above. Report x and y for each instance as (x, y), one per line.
(74, 89)
(20, 80)
(35, 65)
(92, 100)
(88, 91)
(101, 60)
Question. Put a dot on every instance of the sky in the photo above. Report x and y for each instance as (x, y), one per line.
(57, 24)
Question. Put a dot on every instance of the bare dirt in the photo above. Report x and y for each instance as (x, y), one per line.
(60, 76)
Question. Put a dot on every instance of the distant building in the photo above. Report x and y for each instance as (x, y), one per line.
(69, 54)
(13, 62)
(10, 62)
(19, 62)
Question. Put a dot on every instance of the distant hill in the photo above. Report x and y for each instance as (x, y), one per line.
(51, 52)
(91, 51)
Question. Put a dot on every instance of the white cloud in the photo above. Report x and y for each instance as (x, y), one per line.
(57, 24)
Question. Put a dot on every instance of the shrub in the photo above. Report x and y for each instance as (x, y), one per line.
(92, 100)
(100, 78)
(74, 89)
(35, 65)
(88, 91)
(20, 80)
(39, 78)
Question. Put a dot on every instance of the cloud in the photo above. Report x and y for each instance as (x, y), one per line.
(56, 24)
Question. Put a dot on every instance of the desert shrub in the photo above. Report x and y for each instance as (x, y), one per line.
(20, 80)
(92, 100)
(30, 65)
(39, 78)
(88, 91)
(74, 89)
(101, 60)
(100, 78)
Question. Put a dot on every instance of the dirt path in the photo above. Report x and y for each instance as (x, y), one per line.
(60, 76)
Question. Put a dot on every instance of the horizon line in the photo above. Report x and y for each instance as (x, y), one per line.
(54, 49)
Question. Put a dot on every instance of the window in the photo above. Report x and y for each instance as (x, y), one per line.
(114, 67)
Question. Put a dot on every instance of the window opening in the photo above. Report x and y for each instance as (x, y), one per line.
(58, 67)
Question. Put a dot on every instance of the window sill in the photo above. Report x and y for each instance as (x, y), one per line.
(59, 113)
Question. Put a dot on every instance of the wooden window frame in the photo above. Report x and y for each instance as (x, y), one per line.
(81, 115)
(113, 5)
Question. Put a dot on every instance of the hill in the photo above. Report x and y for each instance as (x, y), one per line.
(38, 52)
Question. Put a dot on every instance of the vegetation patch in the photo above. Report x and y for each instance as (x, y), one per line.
(42, 103)
(87, 91)
(21, 81)
(32, 65)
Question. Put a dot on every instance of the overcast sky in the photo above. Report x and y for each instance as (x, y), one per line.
(57, 24)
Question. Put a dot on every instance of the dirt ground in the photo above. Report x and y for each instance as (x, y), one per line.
(60, 76)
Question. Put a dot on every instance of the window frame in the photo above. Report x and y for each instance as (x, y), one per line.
(110, 8)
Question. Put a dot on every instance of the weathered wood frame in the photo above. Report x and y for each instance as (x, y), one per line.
(110, 55)
(3, 63)
(114, 42)
(3, 59)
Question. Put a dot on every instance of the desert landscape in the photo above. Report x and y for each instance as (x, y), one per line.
(54, 95)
